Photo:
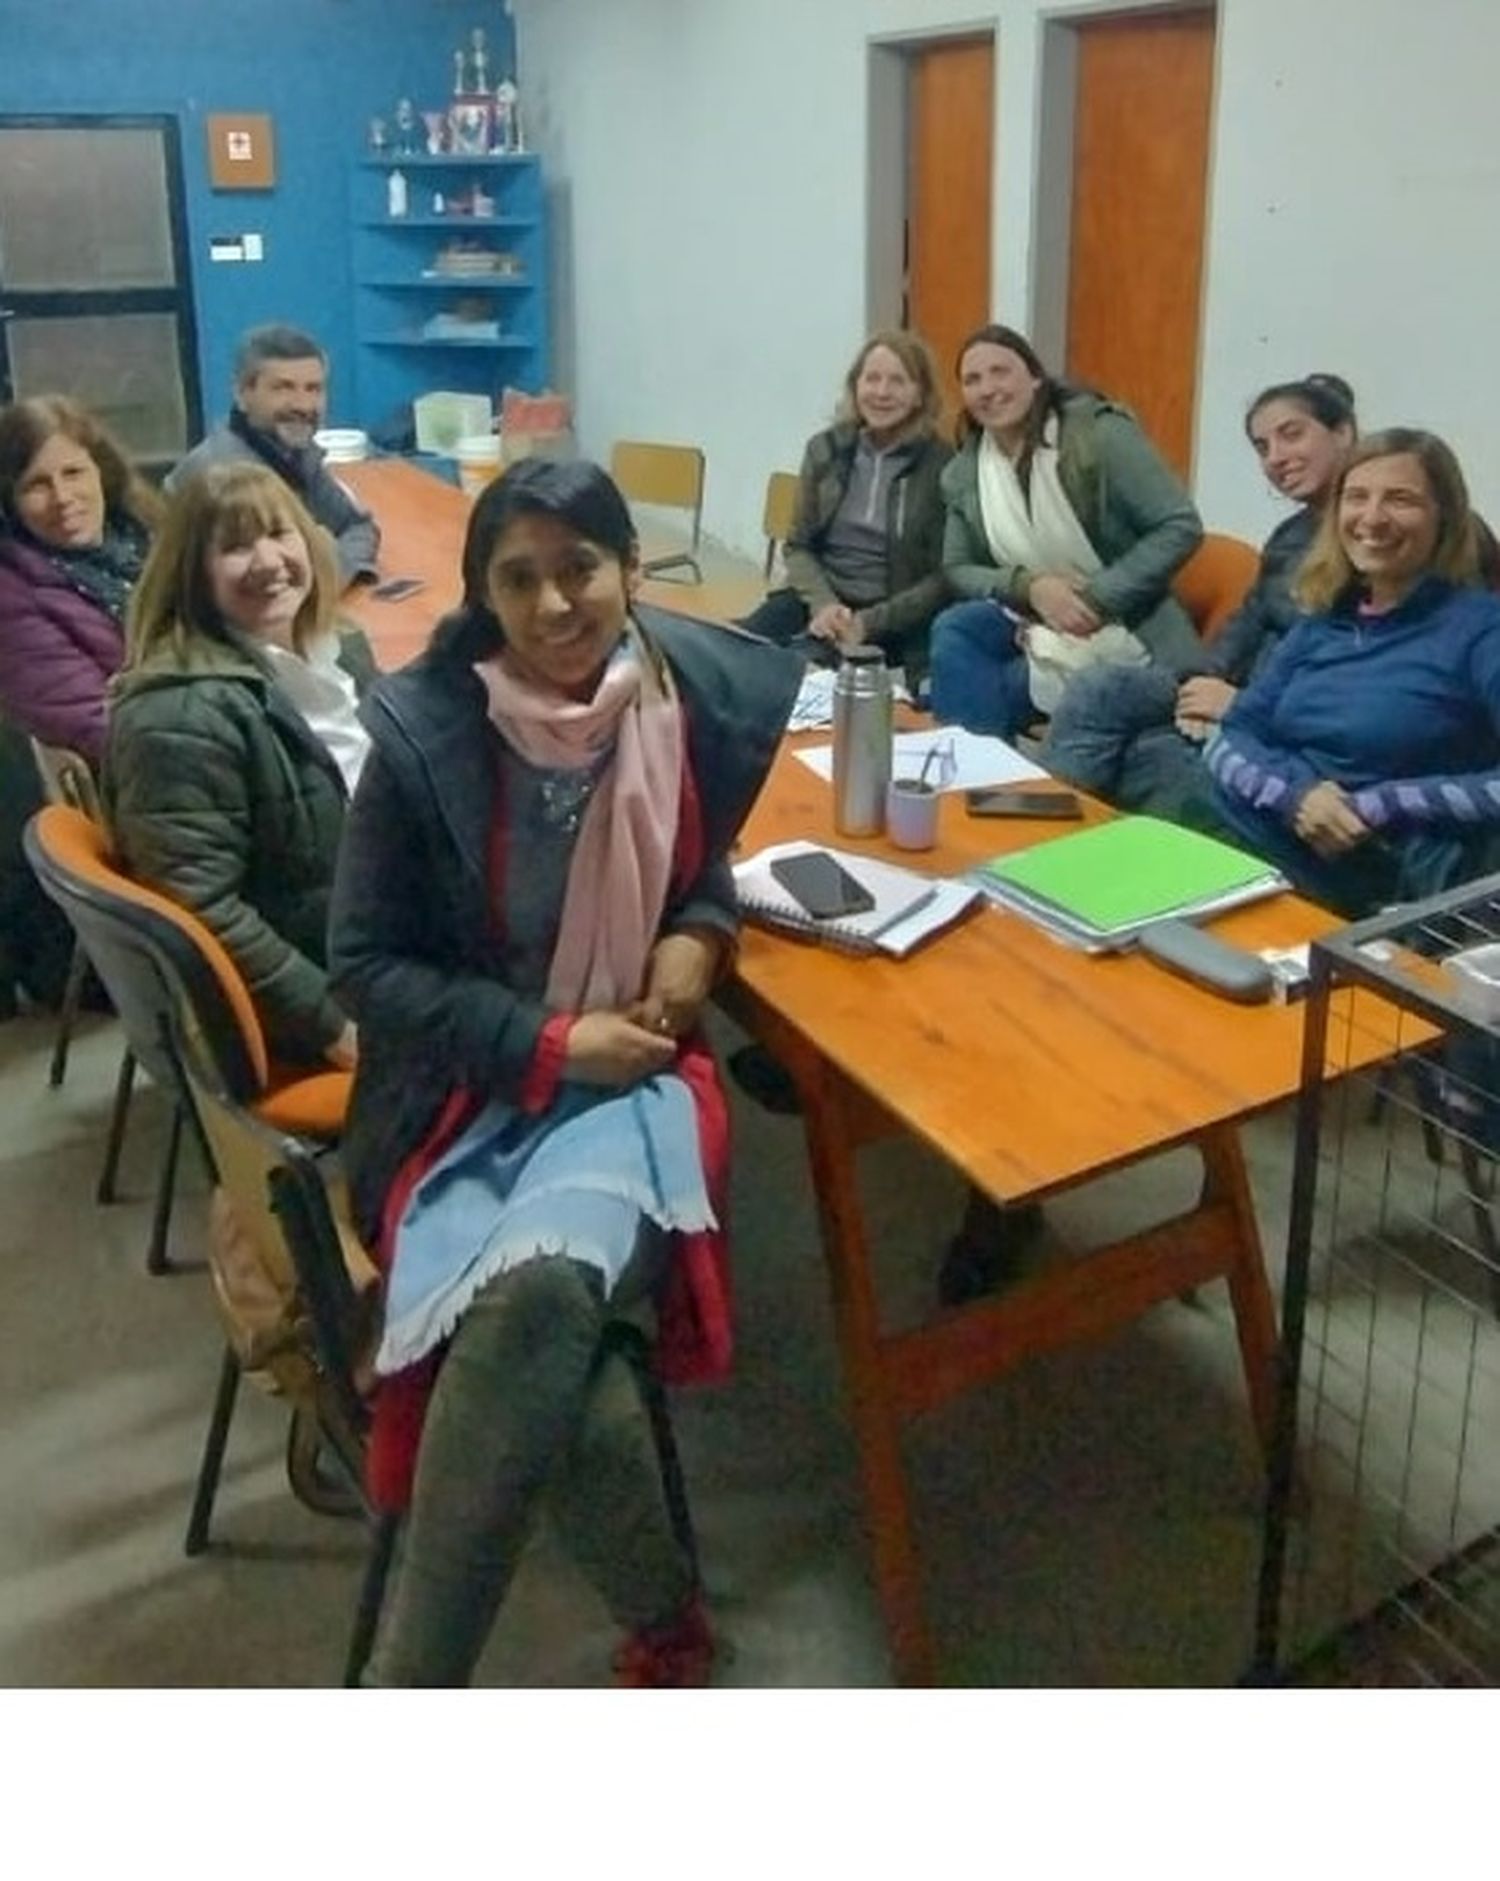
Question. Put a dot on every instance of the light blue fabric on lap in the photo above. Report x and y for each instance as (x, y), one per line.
(513, 1188)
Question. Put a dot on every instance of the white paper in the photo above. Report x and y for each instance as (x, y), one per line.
(908, 907)
(965, 760)
(813, 710)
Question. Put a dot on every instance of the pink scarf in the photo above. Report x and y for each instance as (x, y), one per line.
(622, 860)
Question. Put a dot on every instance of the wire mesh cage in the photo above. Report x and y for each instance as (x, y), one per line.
(1381, 1559)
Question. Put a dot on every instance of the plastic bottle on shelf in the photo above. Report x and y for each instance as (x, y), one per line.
(395, 194)
(439, 206)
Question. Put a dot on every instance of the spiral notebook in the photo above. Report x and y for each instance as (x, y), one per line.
(909, 908)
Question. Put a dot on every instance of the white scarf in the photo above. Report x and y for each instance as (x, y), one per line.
(1045, 534)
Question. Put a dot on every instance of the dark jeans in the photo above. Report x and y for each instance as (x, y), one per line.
(529, 1403)
(783, 617)
(1400, 866)
(979, 674)
(1113, 734)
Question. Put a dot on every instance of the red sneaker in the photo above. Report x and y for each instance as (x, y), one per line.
(678, 1653)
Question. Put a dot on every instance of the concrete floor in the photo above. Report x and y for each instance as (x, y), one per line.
(1093, 1520)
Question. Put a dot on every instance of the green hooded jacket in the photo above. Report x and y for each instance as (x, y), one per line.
(220, 795)
(1131, 506)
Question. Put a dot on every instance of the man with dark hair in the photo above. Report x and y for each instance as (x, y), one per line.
(280, 398)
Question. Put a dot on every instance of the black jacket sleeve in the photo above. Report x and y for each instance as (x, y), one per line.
(385, 964)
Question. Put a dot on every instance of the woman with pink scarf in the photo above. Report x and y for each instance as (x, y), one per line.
(533, 906)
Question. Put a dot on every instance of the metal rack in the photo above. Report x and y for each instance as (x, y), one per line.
(1381, 1557)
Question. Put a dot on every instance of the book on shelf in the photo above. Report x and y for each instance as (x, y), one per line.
(1097, 888)
(909, 908)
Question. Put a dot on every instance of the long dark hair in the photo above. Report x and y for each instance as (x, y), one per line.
(1324, 396)
(581, 494)
(1049, 396)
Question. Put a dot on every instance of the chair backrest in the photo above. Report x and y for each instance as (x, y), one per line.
(780, 512)
(298, 1293)
(1214, 580)
(67, 778)
(670, 476)
(169, 978)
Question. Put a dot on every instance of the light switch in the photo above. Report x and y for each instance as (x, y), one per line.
(254, 246)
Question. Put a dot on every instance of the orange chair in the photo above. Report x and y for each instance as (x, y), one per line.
(66, 778)
(1214, 580)
(178, 994)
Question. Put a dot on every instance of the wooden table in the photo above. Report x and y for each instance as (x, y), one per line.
(1031, 1068)
(422, 522)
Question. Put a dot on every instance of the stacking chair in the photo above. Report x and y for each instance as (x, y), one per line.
(304, 1243)
(128, 930)
(1214, 580)
(67, 778)
(664, 476)
(780, 512)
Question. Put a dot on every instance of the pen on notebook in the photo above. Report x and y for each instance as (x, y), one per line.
(924, 900)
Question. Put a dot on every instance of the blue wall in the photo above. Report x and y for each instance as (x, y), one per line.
(321, 68)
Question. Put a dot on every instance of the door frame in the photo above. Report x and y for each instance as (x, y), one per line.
(887, 136)
(177, 301)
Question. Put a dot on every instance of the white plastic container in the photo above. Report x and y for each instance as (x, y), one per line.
(343, 446)
(478, 462)
(442, 418)
(1477, 970)
(395, 194)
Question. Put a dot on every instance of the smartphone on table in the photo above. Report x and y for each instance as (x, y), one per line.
(397, 588)
(822, 886)
(1007, 800)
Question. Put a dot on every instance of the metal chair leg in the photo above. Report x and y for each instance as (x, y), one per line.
(67, 1017)
(1484, 1222)
(213, 1454)
(383, 1534)
(674, 1484)
(124, 1083)
(166, 1187)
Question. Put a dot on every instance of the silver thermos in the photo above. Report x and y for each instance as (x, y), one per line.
(861, 742)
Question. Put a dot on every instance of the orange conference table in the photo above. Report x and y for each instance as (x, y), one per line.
(422, 522)
(1031, 1068)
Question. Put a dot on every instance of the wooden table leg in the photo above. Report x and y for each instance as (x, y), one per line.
(830, 1138)
(1225, 1180)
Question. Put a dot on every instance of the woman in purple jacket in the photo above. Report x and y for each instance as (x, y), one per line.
(75, 518)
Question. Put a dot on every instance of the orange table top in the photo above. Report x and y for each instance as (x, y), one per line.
(422, 522)
(1028, 1064)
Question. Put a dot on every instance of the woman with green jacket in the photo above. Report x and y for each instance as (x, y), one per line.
(1064, 529)
(234, 741)
(864, 552)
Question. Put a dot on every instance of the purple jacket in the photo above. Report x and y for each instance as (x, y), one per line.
(58, 651)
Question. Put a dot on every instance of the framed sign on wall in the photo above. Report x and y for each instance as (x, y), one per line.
(241, 150)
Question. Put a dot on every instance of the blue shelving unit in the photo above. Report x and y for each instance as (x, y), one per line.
(400, 284)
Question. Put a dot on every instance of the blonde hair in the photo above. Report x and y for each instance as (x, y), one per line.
(1327, 575)
(919, 366)
(224, 507)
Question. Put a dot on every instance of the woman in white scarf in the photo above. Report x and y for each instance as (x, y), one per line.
(1064, 528)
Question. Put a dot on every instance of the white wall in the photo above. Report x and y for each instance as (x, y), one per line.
(709, 159)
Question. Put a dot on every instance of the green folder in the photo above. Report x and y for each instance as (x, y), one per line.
(1136, 869)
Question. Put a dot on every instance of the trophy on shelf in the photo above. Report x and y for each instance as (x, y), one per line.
(508, 139)
(407, 141)
(471, 112)
(437, 132)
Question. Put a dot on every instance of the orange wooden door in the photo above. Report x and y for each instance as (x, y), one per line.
(1140, 168)
(951, 107)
